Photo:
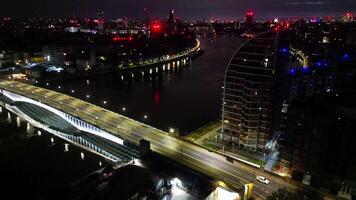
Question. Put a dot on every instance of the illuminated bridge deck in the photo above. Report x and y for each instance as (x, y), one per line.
(188, 154)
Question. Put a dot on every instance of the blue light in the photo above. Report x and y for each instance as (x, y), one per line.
(321, 64)
(292, 71)
(346, 57)
(305, 69)
(30, 65)
(284, 50)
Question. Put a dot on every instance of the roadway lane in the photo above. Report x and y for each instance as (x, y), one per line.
(191, 155)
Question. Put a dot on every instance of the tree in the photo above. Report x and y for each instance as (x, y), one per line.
(284, 194)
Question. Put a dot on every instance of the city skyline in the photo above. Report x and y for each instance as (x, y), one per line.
(225, 9)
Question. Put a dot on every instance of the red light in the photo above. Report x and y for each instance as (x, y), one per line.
(156, 97)
(249, 13)
(156, 27)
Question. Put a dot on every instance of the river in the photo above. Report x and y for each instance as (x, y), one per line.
(184, 100)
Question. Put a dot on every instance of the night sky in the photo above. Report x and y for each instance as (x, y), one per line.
(186, 9)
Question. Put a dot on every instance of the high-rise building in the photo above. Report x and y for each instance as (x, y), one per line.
(348, 17)
(171, 21)
(171, 16)
(147, 18)
(53, 55)
(251, 93)
(100, 15)
(249, 18)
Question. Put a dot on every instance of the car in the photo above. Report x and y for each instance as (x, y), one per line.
(262, 179)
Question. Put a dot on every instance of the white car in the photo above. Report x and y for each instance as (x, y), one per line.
(262, 179)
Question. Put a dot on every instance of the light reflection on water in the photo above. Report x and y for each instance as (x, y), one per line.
(183, 100)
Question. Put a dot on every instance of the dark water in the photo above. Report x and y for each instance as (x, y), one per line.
(33, 167)
(185, 100)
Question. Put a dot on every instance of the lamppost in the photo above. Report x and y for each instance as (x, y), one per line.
(171, 130)
(181, 152)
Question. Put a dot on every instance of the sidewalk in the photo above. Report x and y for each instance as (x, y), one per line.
(235, 152)
(210, 140)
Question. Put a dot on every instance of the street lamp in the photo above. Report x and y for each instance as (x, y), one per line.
(123, 109)
(145, 116)
(82, 155)
(181, 152)
(171, 130)
(66, 147)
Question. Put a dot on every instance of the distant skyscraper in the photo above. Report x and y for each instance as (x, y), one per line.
(171, 16)
(348, 17)
(101, 21)
(249, 18)
(147, 17)
(250, 93)
(171, 21)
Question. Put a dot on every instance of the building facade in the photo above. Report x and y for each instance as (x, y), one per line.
(54, 55)
(251, 93)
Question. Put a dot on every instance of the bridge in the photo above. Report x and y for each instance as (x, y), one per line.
(119, 130)
(68, 127)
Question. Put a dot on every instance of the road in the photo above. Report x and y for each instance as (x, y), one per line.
(209, 163)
